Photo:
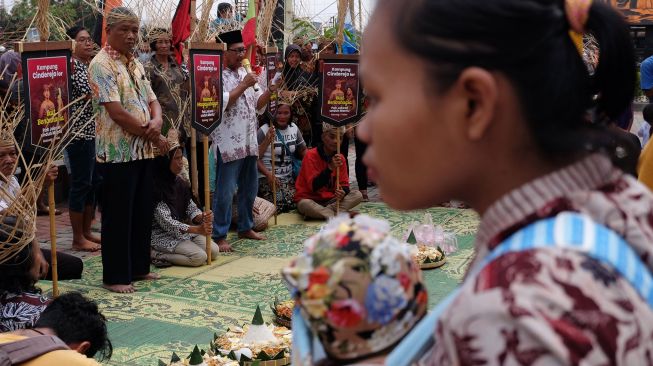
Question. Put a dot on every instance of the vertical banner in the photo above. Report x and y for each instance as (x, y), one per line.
(47, 89)
(206, 87)
(271, 70)
(340, 90)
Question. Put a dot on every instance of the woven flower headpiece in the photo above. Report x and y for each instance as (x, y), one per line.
(357, 287)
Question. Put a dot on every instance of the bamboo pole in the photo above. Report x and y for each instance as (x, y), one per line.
(53, 241)
(193, 163)
(207, 193)
(337, 169)
(44, 32)
(274, 181)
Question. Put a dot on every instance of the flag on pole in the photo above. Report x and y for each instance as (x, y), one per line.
(99, 25)
(100, 31)
(249, 30)
(181, 28)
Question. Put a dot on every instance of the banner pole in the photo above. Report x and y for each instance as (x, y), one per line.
(207, 193)
(193, 163)
(193, 132)
(337, 169)
(53, 241)
(274, 181)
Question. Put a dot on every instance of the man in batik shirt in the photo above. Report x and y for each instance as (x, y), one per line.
(237, 147)
(128, 130)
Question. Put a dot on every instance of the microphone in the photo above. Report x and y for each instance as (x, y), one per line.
(248, 68)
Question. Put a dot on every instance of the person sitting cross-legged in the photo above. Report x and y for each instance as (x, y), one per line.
(317, 194)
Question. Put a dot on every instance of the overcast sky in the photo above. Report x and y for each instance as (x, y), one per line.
(317, 10)
(323, 10)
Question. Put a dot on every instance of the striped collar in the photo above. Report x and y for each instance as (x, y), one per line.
(540, 198)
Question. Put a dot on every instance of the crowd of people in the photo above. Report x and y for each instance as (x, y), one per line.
(562, 267)
(563, 263)
(128, 159)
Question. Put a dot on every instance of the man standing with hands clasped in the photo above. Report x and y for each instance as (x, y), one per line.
(128, 131)
(237, 147)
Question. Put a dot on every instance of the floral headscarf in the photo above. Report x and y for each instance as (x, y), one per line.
(357, 287)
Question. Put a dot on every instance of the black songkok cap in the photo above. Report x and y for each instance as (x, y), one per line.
(231, 37)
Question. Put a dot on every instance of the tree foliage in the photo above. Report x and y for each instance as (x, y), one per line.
(62, 14)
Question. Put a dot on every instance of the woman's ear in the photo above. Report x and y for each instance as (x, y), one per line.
(480, 88)
(80, 347)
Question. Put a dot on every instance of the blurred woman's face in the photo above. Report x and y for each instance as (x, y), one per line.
(283, 116)
(328, 50)
(177, 162)
(84, 45)
(163, 46)
(412, 151)
(294, 59)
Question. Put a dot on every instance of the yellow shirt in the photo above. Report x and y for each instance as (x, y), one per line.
(61, 357)
(645, 166)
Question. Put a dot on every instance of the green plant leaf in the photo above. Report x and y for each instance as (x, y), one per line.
(411, 238)
(258, 317)
(196, 357)
(263, 356)
(174, 358)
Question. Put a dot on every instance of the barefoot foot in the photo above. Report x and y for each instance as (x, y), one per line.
(251, 234)
(90, 236)
(121, 289)
(224, 246)
(84, 245)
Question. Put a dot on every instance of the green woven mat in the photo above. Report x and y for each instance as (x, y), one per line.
(187, 305)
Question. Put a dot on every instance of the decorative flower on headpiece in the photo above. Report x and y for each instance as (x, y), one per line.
(357, 287)
(577, 12)
(229, 32)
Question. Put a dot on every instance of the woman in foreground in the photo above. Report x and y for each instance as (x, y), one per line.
(490, 101)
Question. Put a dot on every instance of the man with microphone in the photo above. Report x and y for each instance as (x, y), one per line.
(237, 147)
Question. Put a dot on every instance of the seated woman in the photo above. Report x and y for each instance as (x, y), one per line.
(289, 147)
(317, 193)
(179, 228)
(358, 291)
(21, 302)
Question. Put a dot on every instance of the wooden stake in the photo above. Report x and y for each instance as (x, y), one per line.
(337, 169)
(207, 193)
(274, 174)
(53, 241)
(193, 164)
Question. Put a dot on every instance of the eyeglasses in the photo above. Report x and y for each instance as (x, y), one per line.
(85, 40)
(237, 50)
